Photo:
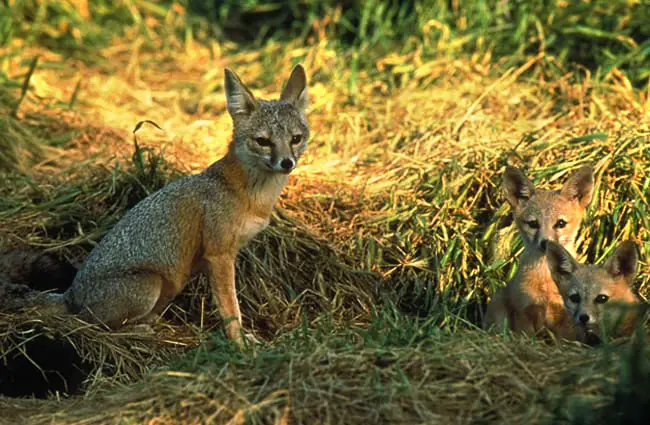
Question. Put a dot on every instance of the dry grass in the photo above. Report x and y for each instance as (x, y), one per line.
(346, 378)
(101, 357)
(396, 204)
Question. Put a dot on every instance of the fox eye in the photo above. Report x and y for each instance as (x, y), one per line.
(560, 224)
(296, 139)
(264, 142)
(575, 298)
(533, 224)
(601, 299)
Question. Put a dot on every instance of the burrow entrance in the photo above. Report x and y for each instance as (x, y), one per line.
(40, 365)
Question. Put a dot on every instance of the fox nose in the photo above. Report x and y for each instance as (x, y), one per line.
(542, 244)
(287, 164)
(584, 318)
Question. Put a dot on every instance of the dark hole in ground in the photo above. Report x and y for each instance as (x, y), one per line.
(58, 277)
(39, 270)
(61, 369)
(37, 364)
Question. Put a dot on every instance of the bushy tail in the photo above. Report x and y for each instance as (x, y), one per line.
(15, 297)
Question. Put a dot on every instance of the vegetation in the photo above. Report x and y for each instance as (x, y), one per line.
(391, 235)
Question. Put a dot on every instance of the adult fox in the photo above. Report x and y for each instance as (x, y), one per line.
(198, 222)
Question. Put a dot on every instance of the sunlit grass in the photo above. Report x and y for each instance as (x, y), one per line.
(390, 236)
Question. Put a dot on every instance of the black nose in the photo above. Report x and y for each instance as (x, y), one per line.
(584, 318)
(542, 245)
(287, 164)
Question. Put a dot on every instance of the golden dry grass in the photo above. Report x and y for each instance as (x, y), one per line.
(453, 380)
(397, 202)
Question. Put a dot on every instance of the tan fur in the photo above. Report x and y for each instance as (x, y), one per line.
(530, 302)
(197, 223)
(598, 298)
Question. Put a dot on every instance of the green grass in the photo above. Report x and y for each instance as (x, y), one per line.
(599, 35)
(370, 283)
(396, 370)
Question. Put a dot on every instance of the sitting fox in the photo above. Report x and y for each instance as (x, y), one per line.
(530, 302)
(197, 222)
(598, 298)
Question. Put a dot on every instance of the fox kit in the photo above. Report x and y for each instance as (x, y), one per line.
(598, 297)
(530, 302)
(198, 222)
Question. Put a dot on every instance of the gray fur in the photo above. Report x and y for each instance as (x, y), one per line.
(198, 222)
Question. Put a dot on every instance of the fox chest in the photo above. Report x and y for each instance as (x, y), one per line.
(249, 226)
(536, 284)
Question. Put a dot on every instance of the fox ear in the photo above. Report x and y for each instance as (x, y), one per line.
(560, 262)
(580, 186)
(295, 91)
(240, 101)
(623, 262)
(516, 186)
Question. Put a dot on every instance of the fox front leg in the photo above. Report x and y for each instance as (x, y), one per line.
(221, 274)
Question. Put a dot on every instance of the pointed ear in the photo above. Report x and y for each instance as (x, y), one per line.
(295, 90)
(580, 186)
(239, 100)
(623, 261)
(560, 262)
(516, 186)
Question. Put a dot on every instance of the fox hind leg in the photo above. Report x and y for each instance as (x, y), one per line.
(117, 301)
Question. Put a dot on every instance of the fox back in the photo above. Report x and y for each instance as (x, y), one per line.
(598, 298)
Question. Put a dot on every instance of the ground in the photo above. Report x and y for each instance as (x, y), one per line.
(388, 240)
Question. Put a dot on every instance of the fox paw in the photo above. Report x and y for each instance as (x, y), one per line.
(252, 338)
(247, 340)
(142, 328)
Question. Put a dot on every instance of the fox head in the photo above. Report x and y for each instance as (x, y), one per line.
(548, 215)
(597, 296)
(269, 135)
